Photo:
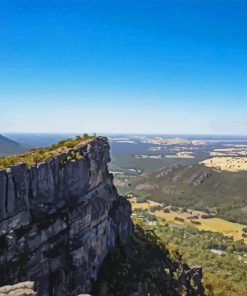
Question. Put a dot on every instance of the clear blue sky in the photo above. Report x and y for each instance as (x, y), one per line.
(157, 66)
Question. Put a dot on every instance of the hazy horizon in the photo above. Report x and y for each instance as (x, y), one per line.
(125, 134)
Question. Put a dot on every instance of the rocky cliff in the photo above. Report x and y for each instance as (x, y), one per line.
(59, 219)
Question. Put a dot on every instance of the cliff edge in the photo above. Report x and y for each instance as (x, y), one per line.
(59, 219)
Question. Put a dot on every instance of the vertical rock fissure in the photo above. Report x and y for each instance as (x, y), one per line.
(15, 188)
(6, 193)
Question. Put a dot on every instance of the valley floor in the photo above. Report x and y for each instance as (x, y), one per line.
(215, 245)
(184, 218)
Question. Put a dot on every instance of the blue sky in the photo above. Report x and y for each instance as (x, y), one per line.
(134, 66)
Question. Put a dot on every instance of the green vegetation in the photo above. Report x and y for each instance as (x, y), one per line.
(195, 187)
(224, 260)
(144, 265)
(205, 216)
(179, 219)
(195, 217)
(155, 208)
(44, 154)
(229, 268)
(195, 222)
(145, 214)
(234, 212)
(141, 261)
(244, 229)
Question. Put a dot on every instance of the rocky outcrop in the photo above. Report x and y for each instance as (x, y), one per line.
(59, 219)
(21, 289)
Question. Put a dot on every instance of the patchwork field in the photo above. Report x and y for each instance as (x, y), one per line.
(213, 224)
(226, 163)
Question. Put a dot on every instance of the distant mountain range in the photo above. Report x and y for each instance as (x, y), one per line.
(8, 146)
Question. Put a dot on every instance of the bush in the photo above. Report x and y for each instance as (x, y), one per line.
(149, 216)
(196, 222)
(167, 210)
(141, 199)
(155, 208)
(192, 217)
(44, 154)
(179, 219)
(204, 216)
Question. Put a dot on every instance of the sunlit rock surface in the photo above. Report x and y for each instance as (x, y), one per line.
(21, 289)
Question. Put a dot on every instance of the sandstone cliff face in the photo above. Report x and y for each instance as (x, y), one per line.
(59, 219)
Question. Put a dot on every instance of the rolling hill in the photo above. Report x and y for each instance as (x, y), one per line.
(8, 146)
(196, 187)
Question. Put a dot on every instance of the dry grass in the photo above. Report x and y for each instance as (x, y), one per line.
(39, 155)
(213, 224)
(231, 164)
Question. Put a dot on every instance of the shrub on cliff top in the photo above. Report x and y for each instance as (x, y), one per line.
(34, 156)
